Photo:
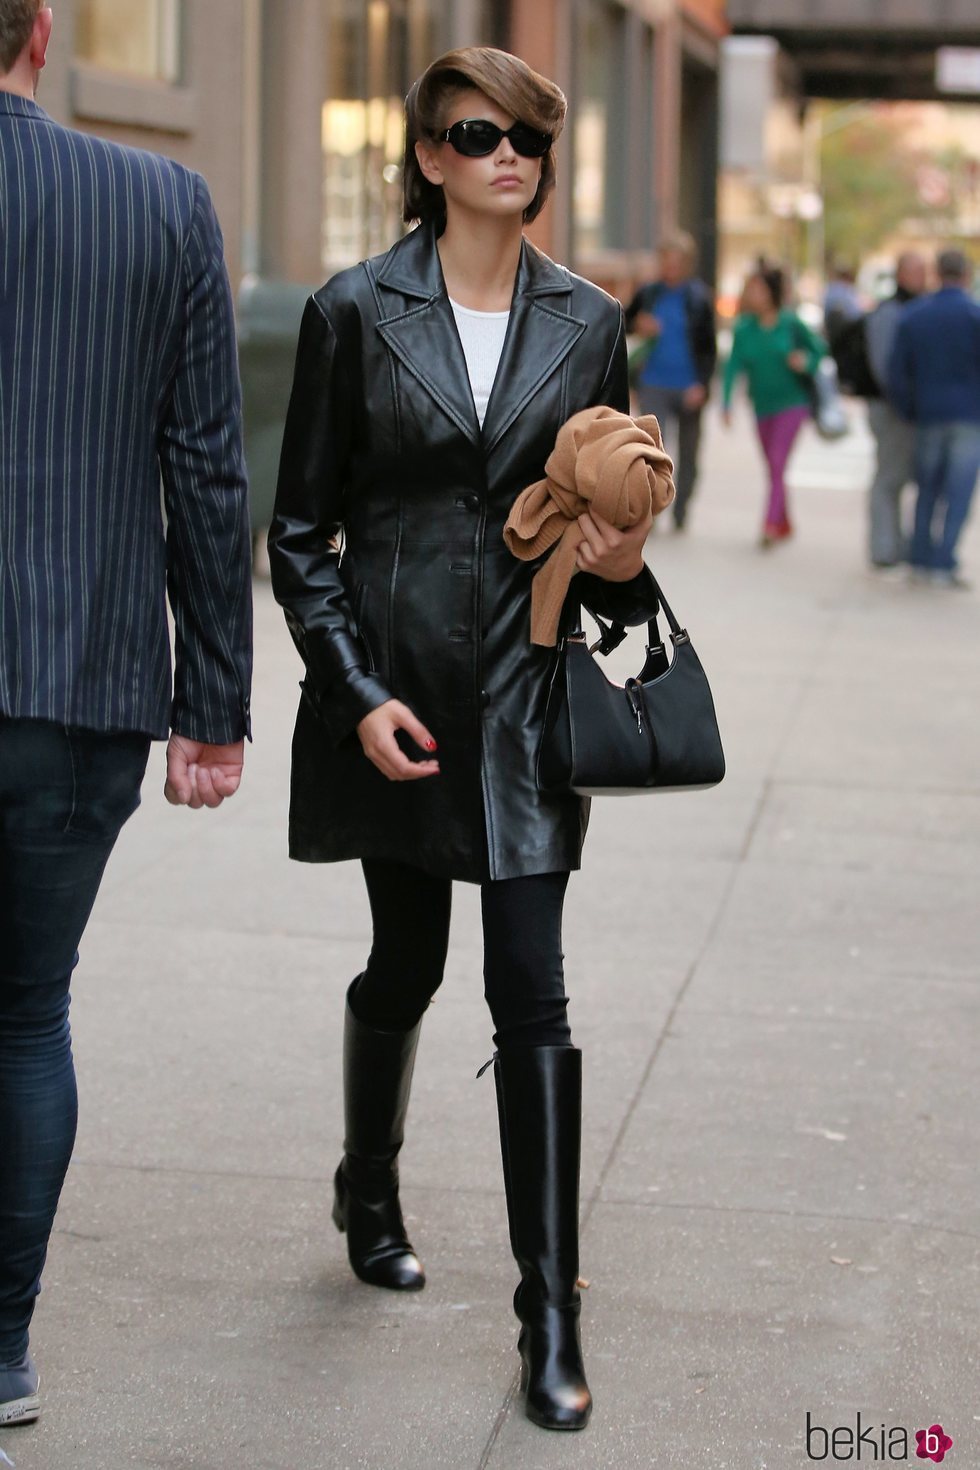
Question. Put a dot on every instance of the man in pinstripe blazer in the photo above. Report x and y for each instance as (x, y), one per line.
(117, 369)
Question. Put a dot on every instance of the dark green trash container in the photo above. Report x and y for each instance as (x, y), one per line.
(269, 314)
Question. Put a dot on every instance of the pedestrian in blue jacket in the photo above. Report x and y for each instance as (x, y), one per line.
(934, 382)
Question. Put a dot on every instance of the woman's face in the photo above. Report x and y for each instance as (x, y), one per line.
(756, 297)
(500, 184)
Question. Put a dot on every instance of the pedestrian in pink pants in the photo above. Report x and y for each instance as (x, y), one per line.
(776, 351)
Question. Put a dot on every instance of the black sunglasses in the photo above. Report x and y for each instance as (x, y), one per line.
(474, 137)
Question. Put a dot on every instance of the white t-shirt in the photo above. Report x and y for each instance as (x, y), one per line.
(482, 334)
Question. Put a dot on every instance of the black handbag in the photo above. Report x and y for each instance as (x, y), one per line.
(657, 733)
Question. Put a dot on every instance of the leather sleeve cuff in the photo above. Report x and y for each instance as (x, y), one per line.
(346, 702)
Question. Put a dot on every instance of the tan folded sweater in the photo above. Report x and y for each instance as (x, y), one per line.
(602, 460)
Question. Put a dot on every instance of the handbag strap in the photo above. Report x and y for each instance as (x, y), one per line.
(613, 633)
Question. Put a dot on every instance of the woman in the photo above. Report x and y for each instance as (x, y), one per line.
(430, 385)
(776, 351)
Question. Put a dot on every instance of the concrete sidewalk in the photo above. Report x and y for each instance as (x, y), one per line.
(775, 985)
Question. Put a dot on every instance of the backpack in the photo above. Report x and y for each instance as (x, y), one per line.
(849, 350)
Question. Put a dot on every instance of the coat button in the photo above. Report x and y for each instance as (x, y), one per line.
(471, 502)
(484, 698)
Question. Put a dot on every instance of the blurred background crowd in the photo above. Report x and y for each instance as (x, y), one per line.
(753, 171)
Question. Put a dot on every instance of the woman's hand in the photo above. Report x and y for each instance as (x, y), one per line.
(615, 555)
(377, 736)
(799, 361)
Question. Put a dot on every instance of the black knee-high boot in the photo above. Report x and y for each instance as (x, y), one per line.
(539, 1107)
(378, 1069)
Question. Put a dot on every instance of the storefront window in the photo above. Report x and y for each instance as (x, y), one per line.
(376, 49)
(373, 49)
(138, 37)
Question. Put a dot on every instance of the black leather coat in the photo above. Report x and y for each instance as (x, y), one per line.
(424, 602)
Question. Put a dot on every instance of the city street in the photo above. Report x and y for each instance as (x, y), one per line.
(775, 986)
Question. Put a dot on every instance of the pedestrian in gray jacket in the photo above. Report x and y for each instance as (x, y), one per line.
(894, 437)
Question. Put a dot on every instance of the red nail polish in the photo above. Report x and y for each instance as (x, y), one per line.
(430, 744)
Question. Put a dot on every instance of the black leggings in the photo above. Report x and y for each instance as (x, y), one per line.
(523, 979)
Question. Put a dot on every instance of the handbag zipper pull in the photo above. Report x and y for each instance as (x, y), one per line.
(636, 704)
(486, 1064)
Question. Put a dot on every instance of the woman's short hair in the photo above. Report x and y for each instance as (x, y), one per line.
(522, 93)
(774, 278)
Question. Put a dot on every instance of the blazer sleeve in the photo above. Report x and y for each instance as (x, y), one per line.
(900, 381)
(880, 327)
(304, 538)
(634, 601)
(209, 560)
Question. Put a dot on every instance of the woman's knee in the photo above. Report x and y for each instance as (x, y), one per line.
(395, 995)
(410, 912)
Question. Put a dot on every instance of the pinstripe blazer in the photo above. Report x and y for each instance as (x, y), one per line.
(117, 368)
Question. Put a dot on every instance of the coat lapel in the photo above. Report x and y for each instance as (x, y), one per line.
(540, 334)
(426, 341)
(424, 337)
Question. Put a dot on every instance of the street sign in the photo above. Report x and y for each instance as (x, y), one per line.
(958, 69)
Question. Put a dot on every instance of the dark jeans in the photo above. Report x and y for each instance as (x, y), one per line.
(64, 795)
(947, 461)
(680, 424)
(522, 956)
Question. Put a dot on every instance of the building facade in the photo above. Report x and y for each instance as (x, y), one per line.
(292, 110)
(641, 154)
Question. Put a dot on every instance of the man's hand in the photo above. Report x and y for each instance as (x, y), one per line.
(645, 324)
(799, 360)
(615, 555)
(377, 736)
(202, 775)
(695, 396)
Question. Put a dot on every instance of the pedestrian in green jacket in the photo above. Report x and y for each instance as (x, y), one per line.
(776, 351)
